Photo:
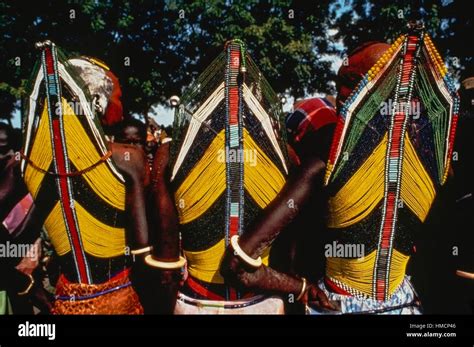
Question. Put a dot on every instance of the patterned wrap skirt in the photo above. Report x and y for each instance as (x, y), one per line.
(115, 296)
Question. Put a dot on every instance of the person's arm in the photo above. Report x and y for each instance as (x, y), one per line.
(16, 279)
(21, 279)
(12, 188)
(277, 215)
(132, 163)
(166, 231)
(167, 239)
(134, 166)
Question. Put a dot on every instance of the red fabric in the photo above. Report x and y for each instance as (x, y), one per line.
(114, 111)
(204, 292)
(199, 289)
(318, 114)
(121, 275)
(232, 294)
(333, 287)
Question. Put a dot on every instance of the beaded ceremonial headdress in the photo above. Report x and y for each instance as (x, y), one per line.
(390, 154)
(229, 156)
(67, 166)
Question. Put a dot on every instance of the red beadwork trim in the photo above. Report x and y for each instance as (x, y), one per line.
(201, 290)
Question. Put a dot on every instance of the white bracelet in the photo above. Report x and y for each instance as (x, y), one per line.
(166, 265)
(142, 250)
(234, 241)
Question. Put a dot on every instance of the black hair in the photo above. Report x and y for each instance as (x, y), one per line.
(132, 123)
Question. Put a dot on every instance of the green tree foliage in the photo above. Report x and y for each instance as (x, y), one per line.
(157, 47)
(449, 22)
(286, 38)
(127, 35)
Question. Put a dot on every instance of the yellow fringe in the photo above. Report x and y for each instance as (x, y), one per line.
(203, 185)
(398, 267)
(83, 154)
(41, 154)
(204, 265)
(263, 181)
(358, 273)
(417, 190)
(98, 239)
(56, 229)
(361, 194)
(207, 180)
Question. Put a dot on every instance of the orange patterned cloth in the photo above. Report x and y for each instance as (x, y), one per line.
(115, 296)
